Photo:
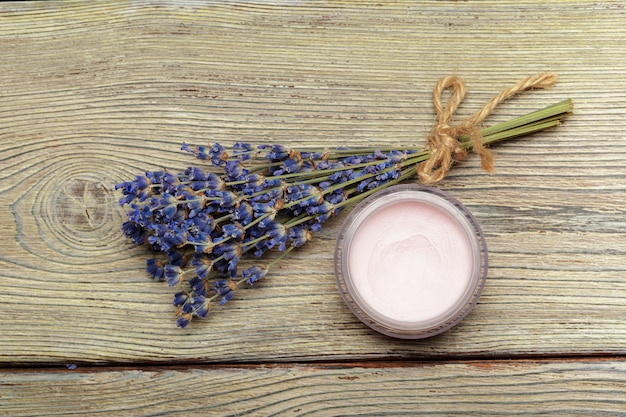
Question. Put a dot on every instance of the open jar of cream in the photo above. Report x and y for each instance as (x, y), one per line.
(410, 261)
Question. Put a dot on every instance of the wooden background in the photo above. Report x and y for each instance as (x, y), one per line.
(92, 93)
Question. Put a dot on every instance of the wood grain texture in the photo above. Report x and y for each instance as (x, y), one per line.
(469, 389)
(93, 93)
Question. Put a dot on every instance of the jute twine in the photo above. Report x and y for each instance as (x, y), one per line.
(444, 139)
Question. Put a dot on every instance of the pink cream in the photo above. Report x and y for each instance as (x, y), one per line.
(410, 261)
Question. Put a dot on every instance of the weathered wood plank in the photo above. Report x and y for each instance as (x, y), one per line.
(95, 92)
(474, 388)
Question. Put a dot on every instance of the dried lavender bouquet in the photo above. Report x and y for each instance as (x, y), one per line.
(259, 202)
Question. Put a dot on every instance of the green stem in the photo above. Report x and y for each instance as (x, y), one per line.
(559, 110)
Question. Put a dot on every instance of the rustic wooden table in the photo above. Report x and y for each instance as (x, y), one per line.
(92, 93)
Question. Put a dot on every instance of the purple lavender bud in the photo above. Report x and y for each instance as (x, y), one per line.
(276, 235)
(218, 155)
(139, 215)
(291, 165)
(254, 184)
(202, 242)
(370, 169)
(155, 176)
(195, 174)
(169, 205)
(243, 151)
(176, 257)
(373, 184)
(261, 209)
(183, 321)
(168, 182)
(202, 223)
(155, 269)
(134, 232)
(352, 160)
(126, 199)
(227, 298)
(229, 250)
(234, 170)
(254, 273)
(335, 197)
(196, 178)
(356, 174)
(244, 213)
(382, 166)
(261, 247)
(314, 156)
(194, 204)
(379, 155)
(228, 199)
(389, 175)
(298, 236)
(198, 286)
(199, 152)
(324, 185)
(200, 306)
(140, 183)
(187, 307)
(233, 230)
(180, 298)
(215, 182)
(362, 186)
(397, 156)
(139, 188)
(269, 196)
(278, 153)
(174, 274)
(266, 221)
(322, 208)
(225, 288)
(339, 176)
(322, 165)
(176, 236)
(202, 266)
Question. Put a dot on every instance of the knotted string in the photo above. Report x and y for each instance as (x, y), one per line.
(444, 139)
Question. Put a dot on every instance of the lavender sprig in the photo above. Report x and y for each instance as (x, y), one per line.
(254, 201)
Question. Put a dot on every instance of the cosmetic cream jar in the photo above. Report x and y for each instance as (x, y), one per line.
(410, 261)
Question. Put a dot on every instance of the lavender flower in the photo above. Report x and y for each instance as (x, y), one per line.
(254, 273)
(155, 268)
(173, 274)
(224, 288)
(251, 202)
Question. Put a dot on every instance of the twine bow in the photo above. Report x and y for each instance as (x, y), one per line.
(444, 139)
